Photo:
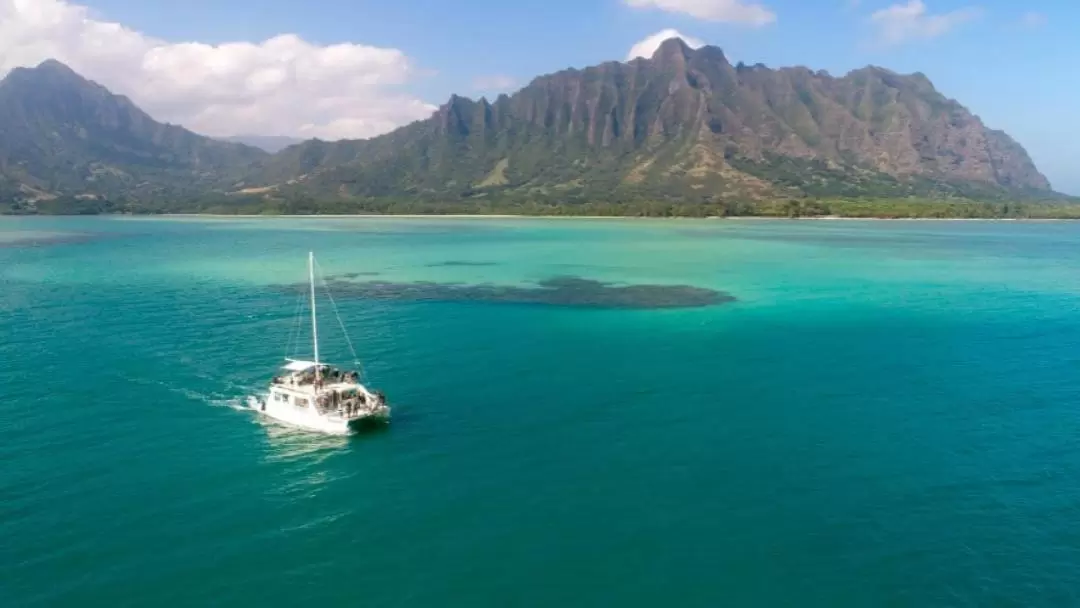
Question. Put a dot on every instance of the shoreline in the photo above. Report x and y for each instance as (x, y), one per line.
(496, 216)
(510, 216)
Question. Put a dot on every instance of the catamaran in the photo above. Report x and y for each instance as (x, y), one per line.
(317, 396)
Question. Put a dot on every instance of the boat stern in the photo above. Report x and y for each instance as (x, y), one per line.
(377, 417)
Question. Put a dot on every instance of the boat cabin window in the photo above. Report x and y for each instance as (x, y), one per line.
(301, 402)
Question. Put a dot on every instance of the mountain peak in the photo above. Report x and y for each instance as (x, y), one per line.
(712, 53)
(73, 136)
(48, 73)
(672, 47)
(51, 69)
(54, 65)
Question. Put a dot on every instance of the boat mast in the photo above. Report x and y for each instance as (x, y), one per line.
(314, 323)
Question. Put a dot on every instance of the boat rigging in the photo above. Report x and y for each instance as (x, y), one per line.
(317, 396)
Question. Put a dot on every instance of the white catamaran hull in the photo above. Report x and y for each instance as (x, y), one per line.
(320, 397)
(304, 417)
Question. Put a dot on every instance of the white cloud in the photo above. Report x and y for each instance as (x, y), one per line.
(1033, 20)
(901, 23)
(498, 83)
(727, 11)
(280, 86)
(647, 46)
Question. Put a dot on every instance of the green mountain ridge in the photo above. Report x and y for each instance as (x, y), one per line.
(684, 126)
(61, 134)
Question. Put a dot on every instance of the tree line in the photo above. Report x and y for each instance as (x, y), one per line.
(227, 204)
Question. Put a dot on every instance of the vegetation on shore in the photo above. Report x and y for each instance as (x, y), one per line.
(884, 208)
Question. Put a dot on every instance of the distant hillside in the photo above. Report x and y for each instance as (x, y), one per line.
(682, 132)
(683, 124)
(61, 134)
(266, 143)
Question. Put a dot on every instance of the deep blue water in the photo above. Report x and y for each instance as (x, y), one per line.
(886, 414)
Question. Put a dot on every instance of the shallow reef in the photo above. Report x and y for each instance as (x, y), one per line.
(555, 291)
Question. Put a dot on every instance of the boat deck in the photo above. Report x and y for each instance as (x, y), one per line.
(309, 389)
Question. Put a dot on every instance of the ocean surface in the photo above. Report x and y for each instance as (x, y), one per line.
(586, 413)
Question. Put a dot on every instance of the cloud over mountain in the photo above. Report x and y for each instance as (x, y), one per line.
(648, 45)
(283, 85)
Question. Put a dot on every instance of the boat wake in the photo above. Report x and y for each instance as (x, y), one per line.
(215, 399)
(294, 444)
(240, 404)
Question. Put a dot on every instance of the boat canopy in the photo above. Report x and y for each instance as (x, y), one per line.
(299, 366)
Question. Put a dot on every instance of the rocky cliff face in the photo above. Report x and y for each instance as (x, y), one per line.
(684, 124)
(684, 121)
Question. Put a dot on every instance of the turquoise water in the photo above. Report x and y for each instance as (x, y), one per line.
(886, 414)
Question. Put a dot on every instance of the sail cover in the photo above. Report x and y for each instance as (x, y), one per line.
(299, 366)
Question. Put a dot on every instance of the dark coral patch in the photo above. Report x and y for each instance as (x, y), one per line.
(351, 275)
(557, 291)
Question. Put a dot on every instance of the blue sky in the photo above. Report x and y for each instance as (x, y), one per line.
(1011, 63)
